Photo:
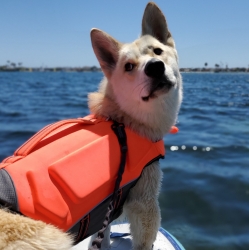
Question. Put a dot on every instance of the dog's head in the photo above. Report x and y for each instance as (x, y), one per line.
(142, 77)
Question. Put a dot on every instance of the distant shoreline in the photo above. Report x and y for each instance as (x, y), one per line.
(49, 69)
(215, 70)
(96, 69)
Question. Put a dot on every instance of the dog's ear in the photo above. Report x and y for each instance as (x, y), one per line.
(106, 50)
(154, 24)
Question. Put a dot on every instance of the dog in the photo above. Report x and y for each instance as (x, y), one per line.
(142, 88)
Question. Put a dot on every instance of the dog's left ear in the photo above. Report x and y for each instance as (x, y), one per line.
(154, 24)
(106, 50)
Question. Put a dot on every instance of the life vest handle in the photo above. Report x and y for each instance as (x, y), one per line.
(29, 145)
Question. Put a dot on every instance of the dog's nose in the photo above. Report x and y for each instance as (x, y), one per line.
(154, 68)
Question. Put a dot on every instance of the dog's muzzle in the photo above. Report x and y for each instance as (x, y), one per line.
(155, 70)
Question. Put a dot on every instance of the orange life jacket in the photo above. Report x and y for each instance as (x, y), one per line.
(68, 169)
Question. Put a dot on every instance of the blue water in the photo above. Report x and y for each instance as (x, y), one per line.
(205, 192)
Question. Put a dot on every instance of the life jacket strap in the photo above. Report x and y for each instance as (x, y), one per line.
(119, 130)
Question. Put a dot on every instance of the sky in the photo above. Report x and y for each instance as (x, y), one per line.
(53, 33)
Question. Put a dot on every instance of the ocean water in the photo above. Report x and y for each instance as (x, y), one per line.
(205, 191)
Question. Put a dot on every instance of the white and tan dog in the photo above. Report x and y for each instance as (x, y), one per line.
(142, 88)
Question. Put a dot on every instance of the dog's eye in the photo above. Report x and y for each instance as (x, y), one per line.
(158, 51)
(129, 67)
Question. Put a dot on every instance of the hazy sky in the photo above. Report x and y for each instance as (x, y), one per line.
(56, 32)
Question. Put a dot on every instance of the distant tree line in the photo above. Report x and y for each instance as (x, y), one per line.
(13, 67)
(217, 68)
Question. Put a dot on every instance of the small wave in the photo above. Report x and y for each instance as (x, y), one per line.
(16, 135)
(8, 113)
(204, 148)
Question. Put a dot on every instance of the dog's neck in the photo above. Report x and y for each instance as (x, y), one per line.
(103, 106)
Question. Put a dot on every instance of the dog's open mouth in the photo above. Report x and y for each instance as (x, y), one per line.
(150, 96)
(158, 88)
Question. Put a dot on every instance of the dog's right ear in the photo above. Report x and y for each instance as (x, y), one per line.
(106, 50)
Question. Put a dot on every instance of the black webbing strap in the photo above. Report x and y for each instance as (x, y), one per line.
(119, 130)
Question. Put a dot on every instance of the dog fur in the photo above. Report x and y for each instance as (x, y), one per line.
(142, 88)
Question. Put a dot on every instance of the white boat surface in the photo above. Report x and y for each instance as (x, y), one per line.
(120, 239)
